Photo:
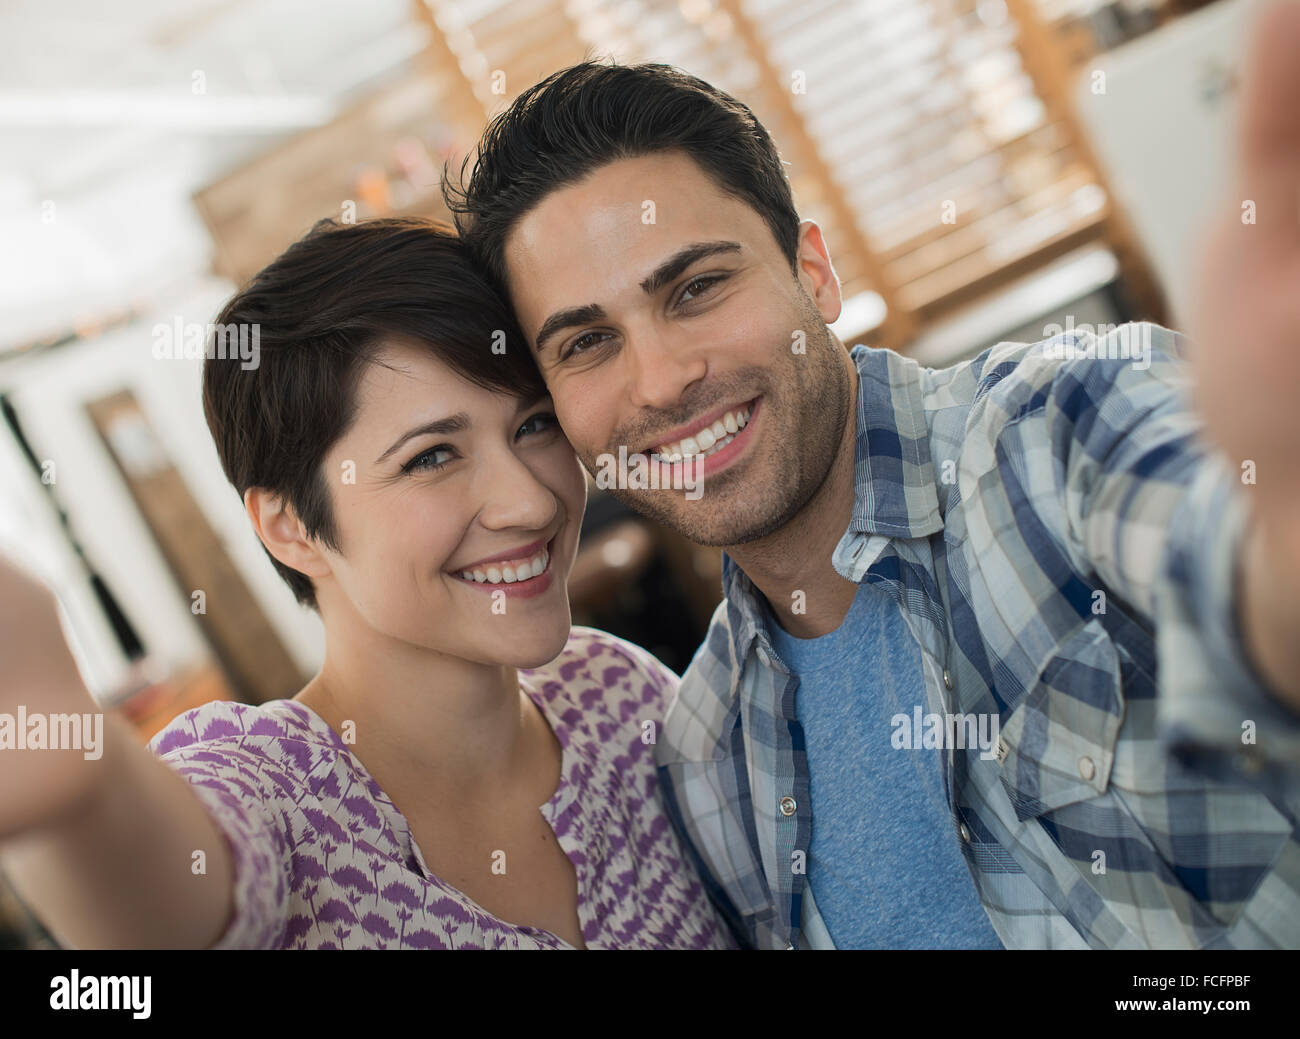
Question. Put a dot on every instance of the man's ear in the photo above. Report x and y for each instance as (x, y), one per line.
(282, 533)
(816, 274)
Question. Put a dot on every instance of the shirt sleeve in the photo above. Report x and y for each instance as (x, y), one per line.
(1156, 517)
(654, 683)
(243, 795)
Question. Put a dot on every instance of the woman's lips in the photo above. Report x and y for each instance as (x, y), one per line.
(525, 589)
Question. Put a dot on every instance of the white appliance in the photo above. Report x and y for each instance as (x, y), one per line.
(1162, 126)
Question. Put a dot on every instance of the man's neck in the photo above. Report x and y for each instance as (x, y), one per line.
(792, 566)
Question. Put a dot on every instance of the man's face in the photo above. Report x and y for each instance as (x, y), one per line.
(658, 306)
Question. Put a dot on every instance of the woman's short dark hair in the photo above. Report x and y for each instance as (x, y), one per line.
(321, 312)
(587, 116)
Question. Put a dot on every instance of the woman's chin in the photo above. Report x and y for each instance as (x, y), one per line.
(537, 649)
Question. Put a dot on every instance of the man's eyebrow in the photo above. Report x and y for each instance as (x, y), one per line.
(456, 423)
(567, 318)
(682, 259)
(654, 281)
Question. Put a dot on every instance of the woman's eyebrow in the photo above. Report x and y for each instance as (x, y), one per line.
(456, 423)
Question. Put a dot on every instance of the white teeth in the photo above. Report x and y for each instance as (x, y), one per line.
(510, 574)
(708, 440)
(718, 446)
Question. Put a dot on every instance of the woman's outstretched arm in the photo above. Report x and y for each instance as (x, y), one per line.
(100, 847)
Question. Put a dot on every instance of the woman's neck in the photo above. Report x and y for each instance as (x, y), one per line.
(458, 725)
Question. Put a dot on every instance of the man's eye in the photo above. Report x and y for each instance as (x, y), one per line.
(698, 286)
(427, 462)
(585, 342)
(542, 422)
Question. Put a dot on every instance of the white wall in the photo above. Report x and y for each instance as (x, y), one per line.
(49, 391)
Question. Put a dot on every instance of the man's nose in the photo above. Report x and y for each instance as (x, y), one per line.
(661, 365)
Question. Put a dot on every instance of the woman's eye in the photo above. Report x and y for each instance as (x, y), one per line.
(542, 422)
(427, 461)
(697, 286)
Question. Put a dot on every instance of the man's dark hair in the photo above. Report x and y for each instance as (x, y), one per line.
(323, 310)
(584, 117)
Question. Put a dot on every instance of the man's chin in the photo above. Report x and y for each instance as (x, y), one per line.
(714, 522)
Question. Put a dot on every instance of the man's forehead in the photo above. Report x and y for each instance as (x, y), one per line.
(623, 219)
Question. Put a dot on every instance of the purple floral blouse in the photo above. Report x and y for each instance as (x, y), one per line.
(324, 860)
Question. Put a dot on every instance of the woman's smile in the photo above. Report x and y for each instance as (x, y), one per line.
(520, 573)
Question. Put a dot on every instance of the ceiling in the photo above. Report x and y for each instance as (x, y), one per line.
(112, 115)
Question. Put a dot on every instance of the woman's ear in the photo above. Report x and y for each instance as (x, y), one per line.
(283, 534)
(816, 274)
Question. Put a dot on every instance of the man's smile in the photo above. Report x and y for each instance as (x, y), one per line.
(703, 436)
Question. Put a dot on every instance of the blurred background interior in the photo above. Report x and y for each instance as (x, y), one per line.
(981, 168)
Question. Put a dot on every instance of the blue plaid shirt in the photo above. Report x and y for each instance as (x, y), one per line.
(1063, 545)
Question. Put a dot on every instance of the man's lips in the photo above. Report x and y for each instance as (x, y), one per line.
(695, 426)
(704, 466)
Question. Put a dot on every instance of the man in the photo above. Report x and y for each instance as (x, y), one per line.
(1007, 654)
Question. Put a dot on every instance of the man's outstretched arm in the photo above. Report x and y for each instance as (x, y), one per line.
(1247, 330)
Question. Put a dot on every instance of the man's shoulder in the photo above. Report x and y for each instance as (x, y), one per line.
(1091, 354)
(694, 723)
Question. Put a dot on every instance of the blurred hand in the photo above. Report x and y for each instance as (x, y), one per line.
(38, 672)
(1246, 325)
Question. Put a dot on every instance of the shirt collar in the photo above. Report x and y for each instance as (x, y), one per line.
(893, 478)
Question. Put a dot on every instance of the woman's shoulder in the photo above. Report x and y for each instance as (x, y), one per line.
(279, 733)
(599, 670)
(226, 720)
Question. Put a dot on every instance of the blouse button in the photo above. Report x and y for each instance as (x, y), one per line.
(788, 806)
(965, 832)
(1087, 769)
(947, 679)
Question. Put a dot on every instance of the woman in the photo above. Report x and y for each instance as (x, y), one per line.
(466, 770)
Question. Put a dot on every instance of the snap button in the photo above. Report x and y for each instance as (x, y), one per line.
(788, 806)
(1087, 769)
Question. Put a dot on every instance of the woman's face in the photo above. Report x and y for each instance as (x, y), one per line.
(492, 489)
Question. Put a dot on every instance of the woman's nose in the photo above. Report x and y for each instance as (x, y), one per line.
(513, 496)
